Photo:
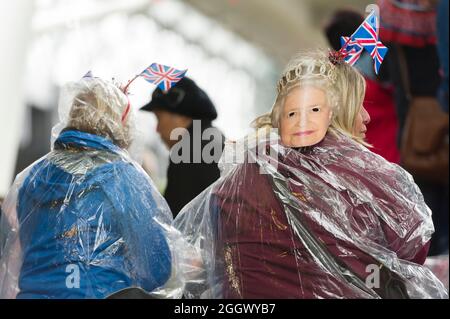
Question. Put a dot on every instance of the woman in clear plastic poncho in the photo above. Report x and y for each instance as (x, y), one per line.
(85, 221)
(310, 212)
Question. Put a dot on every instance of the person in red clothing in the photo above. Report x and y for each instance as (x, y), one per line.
(309, 212)
(383, 127)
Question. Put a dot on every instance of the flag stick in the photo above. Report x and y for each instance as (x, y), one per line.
(128, 84)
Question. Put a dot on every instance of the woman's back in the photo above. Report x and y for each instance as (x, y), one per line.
(312, 223)
(87, 223)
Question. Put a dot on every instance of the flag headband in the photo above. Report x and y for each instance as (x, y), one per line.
(163, 76)
(125, 113)
(364, 38)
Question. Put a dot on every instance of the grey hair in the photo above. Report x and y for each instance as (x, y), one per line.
(97, 108)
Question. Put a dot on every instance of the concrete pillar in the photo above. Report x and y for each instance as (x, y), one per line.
(15, 37)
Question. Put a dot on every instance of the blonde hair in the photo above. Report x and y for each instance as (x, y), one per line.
(98, 108)
(352, 87)
(343, 85)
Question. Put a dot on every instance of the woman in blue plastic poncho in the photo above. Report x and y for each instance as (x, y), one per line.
(85, 221)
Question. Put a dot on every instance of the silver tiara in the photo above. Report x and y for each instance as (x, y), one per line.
(317, 70)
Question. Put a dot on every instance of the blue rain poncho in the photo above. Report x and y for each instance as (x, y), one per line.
(85, 221)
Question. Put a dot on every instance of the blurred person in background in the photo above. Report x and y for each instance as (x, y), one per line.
(442, 45)
(408, 28)
(188, 107)
(1, 202)
(85, 221)
(379, 109)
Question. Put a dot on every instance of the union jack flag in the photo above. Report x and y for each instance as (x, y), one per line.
(352, 50)
(367, 36)
(163, 76)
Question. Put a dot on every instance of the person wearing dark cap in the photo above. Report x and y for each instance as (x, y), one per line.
(187, 108)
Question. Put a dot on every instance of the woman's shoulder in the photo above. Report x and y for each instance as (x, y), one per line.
(121, 172)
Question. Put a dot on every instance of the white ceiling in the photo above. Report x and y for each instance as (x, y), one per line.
(279, 27)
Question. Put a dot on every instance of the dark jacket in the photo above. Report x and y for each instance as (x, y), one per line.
(186, 180)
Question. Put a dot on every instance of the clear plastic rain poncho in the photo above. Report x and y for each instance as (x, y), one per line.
(308, 212)
(439, 266)
(329, 221)
(85, 221)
